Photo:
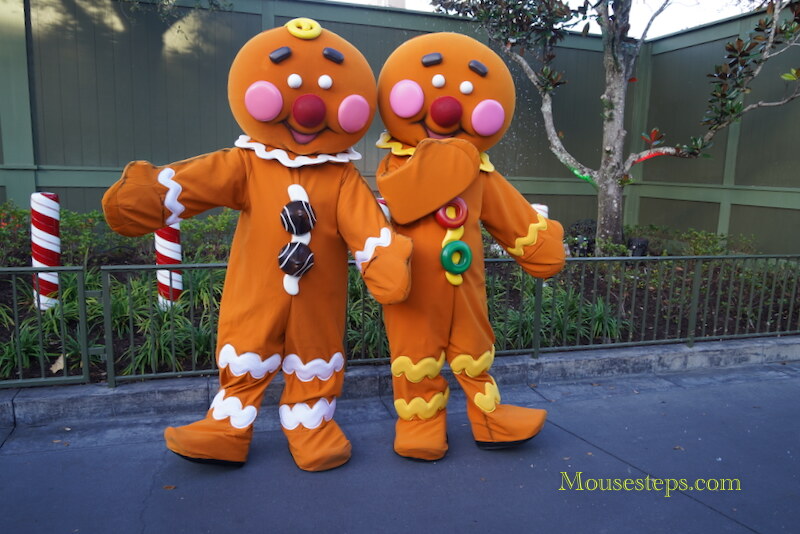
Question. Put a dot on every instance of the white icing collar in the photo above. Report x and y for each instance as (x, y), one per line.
(282, 157)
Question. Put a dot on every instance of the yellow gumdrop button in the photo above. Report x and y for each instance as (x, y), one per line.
(304, 28)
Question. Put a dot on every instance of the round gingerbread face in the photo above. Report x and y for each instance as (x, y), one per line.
(303, 89)
(446, 85)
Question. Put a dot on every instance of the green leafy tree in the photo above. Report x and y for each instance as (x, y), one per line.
(527, 31)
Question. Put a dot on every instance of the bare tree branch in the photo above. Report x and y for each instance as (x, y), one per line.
(655, 15)
(557, 147)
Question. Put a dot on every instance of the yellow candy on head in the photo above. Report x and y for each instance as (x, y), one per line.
(304, 28)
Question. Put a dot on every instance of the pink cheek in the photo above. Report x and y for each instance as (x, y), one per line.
(488, 117)
(406, 98)
(353, 113)
(263, 101)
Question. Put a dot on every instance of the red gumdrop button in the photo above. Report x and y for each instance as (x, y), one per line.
(309, 111)
(446, 111)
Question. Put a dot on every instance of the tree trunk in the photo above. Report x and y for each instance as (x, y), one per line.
(609, 212)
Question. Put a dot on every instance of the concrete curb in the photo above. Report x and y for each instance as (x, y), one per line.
(45, 405)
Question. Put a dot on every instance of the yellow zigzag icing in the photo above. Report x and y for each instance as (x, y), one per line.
(427, 367)
(489, 400)
(530, 239)
(386, 141)
(473, 366)
(420, 408)
(453, 234)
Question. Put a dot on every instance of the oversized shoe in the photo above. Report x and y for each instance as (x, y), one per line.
(422, 439)
(318, 449)
(506, 426)
(210, 441)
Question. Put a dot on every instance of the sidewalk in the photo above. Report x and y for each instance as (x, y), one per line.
(101, 473)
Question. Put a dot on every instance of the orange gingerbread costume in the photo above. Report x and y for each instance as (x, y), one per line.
(303, 95)
(445, 98)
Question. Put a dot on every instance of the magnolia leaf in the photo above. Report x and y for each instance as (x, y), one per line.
(789, 77)
(58, 365)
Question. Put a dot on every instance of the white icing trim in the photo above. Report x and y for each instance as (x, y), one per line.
(247, 362)
(241, 416)
(363, 256)
(316, 368)
(302, 414)
(282, 157)
(174, 189)
(297, 192)
(291, 284)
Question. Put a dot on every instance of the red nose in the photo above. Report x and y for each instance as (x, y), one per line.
(446, 111)
(309, 111)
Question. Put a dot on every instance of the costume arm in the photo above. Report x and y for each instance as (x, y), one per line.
(380, 254)
(148, 197)
(532, 240)
(439, 171)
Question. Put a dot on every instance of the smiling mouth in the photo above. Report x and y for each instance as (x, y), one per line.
(436, 135)
(300, 137)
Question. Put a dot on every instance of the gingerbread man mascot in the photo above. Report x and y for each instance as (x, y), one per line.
(445, 98)
(303, 96)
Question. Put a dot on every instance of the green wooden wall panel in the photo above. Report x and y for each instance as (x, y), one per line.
(768, 150)
(680, 214)
(524, 150)
(110, 88)
(80, 199)
(2, 194)
(772, 227)
(679, 91)
(567, 209)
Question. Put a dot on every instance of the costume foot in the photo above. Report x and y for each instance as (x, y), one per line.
(507, 426)
(210, 441)
(422, 439)
(318, 449)
(208, 461)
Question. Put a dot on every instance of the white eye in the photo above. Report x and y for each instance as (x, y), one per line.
(438, 80)
(465, 88)
(325, 82)
(294, 81)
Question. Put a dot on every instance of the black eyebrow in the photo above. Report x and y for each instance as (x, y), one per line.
(478, 67)
(429, 60)
(333, 55)
(276, 56)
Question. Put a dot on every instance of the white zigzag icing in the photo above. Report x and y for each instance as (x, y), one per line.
(316, 368)
(370, 245)
(282, 157)
(165, 178)
(302, 414)
(247, 362)
(241, 417)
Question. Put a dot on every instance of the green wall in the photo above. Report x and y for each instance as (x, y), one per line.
(92, 86)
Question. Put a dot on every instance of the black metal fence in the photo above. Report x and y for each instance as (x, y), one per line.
(109, 325)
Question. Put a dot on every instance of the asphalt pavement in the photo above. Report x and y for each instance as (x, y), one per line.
(618, 454)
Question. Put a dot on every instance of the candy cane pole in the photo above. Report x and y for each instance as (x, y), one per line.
(168, 252)
(45, 247)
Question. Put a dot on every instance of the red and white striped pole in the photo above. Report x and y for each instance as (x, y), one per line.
(168, 252)
(45, 247)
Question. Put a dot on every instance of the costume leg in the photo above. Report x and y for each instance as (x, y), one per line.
(470, 355)
(417, 331)
(249, 354)
(314, 372)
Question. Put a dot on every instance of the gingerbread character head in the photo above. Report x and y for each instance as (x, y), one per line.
(444, 85)
(302, 88)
